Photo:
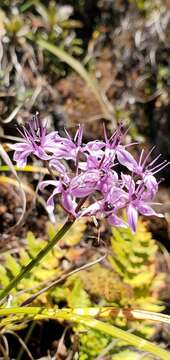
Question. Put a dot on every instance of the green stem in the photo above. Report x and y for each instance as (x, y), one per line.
(69, 315)
(26, 269)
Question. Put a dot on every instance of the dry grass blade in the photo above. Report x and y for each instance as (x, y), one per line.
(13, 114)
(151, 316)
(131, 314)
(7, 160)
(24, 346)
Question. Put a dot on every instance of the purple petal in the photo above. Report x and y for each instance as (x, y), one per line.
(151, 185)
(55, 183)
(92, 162)
(114, 220)
(92, 209)
(20, 146)
(79, 135)
(21, 157)
(50, 201)
(146, 210)
(128, 182)
(68, 203)
(95, 145)
(85, 184)
(57, 165)
(50, 204)
(132, 216)
(125, 158)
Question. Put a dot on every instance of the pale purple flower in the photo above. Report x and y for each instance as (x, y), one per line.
(114, 148)
(85, 184)
(138, 201)
(69, 149)
(143, 168)
(35, 141)
(147, 171)
(93, 174)
(103, 208)
(61, 187)
(113, 201)
(69, 189)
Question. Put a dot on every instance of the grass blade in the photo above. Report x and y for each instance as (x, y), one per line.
(27, 168)
(39, 313)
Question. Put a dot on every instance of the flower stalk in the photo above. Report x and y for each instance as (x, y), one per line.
(26, 269)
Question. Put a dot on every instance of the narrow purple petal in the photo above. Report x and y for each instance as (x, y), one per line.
(95, 145)
(125, 158)
(151, 185)
(57, 165)
(50, 204)
(79, 136)
(92, 209)
(56, 183)
(20, 146)
(85, 184)
(114, 220)
(146, 210)
(132, 216)
(128, 182)
(68, 203)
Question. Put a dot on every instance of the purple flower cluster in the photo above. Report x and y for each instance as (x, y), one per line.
(87, 174)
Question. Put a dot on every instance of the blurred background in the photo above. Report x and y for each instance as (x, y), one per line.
(87, 62)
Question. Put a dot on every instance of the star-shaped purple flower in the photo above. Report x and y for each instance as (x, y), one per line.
(35, 141)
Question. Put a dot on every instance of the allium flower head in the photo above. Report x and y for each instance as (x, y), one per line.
(93, 186)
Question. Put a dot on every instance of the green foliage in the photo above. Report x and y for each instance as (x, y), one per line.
(133, 259)
(22, 62)
(128, 281)
(91, 344)
(105, 284)
(132, 282)
(130, 355)
(47, 270)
